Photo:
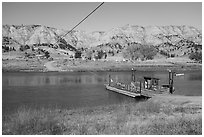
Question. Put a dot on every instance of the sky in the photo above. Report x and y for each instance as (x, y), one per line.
(65, 15)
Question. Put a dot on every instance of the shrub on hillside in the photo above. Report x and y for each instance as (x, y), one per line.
(100, 54)
(47, 54)
(138, 51)
(197, 56)
(78, 54)
(148, 51)
(162, 52)
(26, 47)
(21, 48)
(6, 48)
(132, 52)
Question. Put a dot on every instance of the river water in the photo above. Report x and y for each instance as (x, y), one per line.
(81, 89)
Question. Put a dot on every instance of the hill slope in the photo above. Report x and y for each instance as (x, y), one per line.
(179, 40)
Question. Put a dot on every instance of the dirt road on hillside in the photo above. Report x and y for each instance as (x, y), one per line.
(50, 67)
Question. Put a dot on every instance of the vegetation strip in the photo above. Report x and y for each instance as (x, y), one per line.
(160, 115)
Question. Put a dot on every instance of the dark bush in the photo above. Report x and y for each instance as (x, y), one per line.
(62, 46)
(47, 54)
(21, 48)
(132, 52)
(197, 56)
(148, 51)
(27, 47)
(137, 51)
(14, 49)
(78, 54)
(33, 48)
(100, 54)
(6, 48)
(164, 53)
(172, 55)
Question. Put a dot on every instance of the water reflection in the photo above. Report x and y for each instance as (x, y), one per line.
(86, 78)
(81, 89)
(52, 80)
(193, 77)
(49, 79)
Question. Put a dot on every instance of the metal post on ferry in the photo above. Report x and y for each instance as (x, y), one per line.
(170, 82)
(169, 77)
(140, 87)
(133, 75)
(109, 80)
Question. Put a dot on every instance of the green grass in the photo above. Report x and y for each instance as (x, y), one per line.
(147, 117)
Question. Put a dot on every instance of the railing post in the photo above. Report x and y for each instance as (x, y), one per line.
(170, 81)
(140, 87)
(169, 78)
(109, 79)
(133, 75)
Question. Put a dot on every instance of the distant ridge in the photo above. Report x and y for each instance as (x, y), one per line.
(163, 37)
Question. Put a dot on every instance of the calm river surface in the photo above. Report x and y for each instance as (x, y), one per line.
(80, 89)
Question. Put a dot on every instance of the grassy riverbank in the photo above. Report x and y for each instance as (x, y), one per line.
(167, 114)
(34, 65)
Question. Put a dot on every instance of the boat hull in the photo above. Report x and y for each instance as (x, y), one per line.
(121, 91)
(144, 92)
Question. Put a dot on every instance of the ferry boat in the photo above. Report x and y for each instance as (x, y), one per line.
(148, 86)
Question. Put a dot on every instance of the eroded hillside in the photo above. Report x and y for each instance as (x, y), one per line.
(178, 40)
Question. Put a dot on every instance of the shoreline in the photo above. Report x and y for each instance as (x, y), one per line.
(79, 65)
(140, 67)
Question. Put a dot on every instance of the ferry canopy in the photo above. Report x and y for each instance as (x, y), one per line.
(150, 78)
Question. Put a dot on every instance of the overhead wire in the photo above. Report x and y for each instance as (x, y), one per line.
(80, 21)
(79, 24)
